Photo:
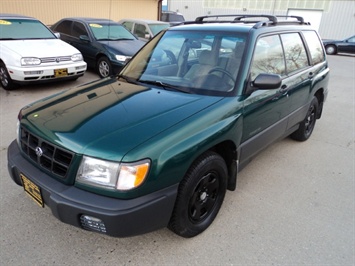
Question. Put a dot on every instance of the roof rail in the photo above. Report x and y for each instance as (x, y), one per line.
(299, 20)
(265, 20)
(238, 17)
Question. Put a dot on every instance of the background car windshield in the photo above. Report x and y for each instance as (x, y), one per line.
(20, 29)
(110, 32)
(155, 28)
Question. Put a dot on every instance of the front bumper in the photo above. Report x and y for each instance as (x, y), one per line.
(26, 75)
(121, 218)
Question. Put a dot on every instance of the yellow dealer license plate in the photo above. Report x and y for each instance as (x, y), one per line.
(32, 190)
(60, 72)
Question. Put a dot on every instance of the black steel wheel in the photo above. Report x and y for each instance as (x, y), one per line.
(201, 194)
(307, 125)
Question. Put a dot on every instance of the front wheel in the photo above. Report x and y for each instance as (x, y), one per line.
(307, 125)
(104, 68)
(200, 196)
(5, 79)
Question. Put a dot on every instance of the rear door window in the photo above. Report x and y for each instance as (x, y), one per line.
(295, 52)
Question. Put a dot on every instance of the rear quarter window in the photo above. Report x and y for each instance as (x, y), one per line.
(314, 46)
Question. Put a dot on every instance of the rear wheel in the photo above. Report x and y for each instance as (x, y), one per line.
(307, 125)
(330, 49)
(5, 79)
(201, 194)
(104, 68)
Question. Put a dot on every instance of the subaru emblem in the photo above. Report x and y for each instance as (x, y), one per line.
(39, 152)
(57, 59)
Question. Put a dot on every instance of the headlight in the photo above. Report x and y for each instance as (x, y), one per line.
(18, 126)
(77, 57)
(123, 58)
(112, 175)
(29, 61)
(18, 132)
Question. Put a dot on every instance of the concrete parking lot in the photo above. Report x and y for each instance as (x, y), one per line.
(294, 203)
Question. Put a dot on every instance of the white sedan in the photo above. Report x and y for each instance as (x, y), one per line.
(30, 52)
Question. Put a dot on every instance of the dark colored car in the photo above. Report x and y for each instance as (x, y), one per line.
(159, 144)
(340, 46)
(105, 44)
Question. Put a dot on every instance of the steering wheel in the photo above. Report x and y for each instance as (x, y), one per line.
(221, 70)
(171, 56)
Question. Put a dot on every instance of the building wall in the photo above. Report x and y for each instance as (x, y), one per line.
(337, 20)
(50, 11)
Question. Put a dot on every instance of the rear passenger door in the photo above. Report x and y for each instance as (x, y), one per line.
(303, 63)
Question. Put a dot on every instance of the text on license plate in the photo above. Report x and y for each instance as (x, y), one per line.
(32, 190)
(61, 72)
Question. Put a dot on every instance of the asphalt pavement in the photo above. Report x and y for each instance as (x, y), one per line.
(294, 203)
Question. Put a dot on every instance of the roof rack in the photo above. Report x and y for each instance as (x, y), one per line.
(243, 18)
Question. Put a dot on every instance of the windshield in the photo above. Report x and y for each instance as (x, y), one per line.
(194, 62)
(112, 32)
(21, 29)
(156, 28)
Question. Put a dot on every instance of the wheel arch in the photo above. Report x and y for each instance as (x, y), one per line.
(228, 151)
(99, 55)
(321, 98)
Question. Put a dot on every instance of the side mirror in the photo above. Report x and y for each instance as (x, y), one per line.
(147, 36)
(57, 34)
(267, 81)
(84, 38)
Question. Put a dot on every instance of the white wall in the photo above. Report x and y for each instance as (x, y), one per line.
(337, 19)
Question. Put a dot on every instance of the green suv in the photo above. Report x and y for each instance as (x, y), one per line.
(159, 144)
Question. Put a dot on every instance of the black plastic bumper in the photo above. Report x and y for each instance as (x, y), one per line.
(122, 218)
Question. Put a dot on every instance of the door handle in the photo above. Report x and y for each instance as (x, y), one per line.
(283, 90)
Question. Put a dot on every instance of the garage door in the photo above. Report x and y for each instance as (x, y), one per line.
(309, 15)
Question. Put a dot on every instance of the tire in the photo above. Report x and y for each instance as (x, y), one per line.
(103, 67)
(330, 49)
(200, 196)
(307, 125)
(5, 79)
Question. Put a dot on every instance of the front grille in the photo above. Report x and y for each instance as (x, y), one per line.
(55, 59)
(48, 156)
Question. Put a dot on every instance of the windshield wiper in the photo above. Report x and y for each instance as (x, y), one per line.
(115, 39)
(128, 79)
(163, 85)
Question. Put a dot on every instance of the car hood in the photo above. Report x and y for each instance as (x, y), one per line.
(123, 47)
(40, 48)
(108, 121)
